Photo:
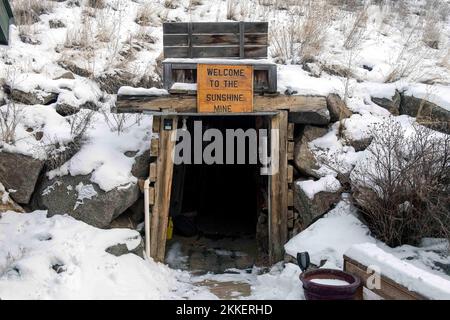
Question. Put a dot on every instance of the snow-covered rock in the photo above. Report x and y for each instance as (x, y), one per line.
(337, 107)
(83, 199)
(329, 238)
(304, 159)
(312, 198)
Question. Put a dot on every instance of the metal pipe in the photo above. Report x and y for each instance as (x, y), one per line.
(147, 216)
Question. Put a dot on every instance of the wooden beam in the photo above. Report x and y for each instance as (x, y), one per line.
(188, 103)
(389, 289)
(279, 191)
(163, 187)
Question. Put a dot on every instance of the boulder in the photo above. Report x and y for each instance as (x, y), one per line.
(20, 173)
(437, 117)
(35, 96)
(66, 75)
(304, 160)
(311, 209)
(84, 200)
(390, 104)
(359, 145)
(315, 114)
(65, 109)
(140, 167)
(121, 248)
(337, 107)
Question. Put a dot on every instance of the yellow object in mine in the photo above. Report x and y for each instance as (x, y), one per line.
(170, 229)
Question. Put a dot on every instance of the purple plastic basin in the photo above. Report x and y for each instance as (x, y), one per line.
(323, 291)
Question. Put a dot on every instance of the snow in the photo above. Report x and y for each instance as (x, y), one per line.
(325, 184)
(84, 192)
(131, 91)
(408, 275)
(33, 247)
(330, 282)
(331, 236)
(184, 86)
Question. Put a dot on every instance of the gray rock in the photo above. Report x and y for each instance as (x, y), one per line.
(36, 96)
(359, 145)
(56, 23)
(314, 115)
(71, 66)
(392, 104)
(309, 210)
(20, 173)
(65, 109)
(304, 160)
(98, 208)
(121, 248)
(140, 167)
(436, 117)
(66, 75)
(337, 107)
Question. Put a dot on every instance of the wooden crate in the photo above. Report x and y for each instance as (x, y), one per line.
(241, 40)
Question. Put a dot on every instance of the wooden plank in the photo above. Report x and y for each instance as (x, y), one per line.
(290, 201)
(154, 147)
(283, 178)
(278, 191)
(156, 124)
(290, 150)
(152, 172)
(182, 40)
(224, 88)
(290, 174)
(215, 27)
(251, 51)
(180, 103)
(151, 196)
(241, 40)
(389, 289)
(274, 202)
(291, 128)
(163, 187)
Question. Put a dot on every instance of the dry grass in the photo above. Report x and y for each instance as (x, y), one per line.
(302, 38)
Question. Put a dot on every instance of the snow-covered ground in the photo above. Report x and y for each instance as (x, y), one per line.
(106, 41)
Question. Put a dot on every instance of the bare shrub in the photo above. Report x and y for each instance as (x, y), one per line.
(10, 116)
(357, 30)
(59, 153)
(171, 4)
(432, 24)
(27, 12)
(232, 10)
(403, 189)
(410, 57)
(96, 4)
(147, 15)
(302, 37)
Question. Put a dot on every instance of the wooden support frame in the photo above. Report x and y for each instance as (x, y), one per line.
(163, 187)
(278, 199)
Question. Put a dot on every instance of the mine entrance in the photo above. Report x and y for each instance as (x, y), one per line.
(219, 211)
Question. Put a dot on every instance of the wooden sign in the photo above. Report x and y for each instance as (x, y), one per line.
(224, 88)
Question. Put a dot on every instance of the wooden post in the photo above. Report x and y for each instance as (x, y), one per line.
(279, 191)
(163, 186)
